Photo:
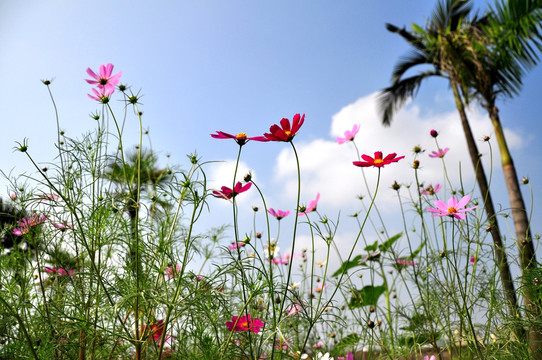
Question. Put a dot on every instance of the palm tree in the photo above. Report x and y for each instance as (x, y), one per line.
(436, 47)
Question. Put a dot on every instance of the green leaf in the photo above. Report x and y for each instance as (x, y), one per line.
(416, 252)
(347, 265)
(372, 247)
(388, 244)
(347, 342)
(369, 295)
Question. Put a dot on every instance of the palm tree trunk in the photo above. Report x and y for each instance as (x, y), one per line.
(524, 242)
(500, 254)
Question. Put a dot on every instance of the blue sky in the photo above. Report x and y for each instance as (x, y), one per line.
(238, 66)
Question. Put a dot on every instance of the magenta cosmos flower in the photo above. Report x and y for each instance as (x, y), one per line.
(59, 271)
(453, 208)
(104, 79)
(285, 132)
(25, 224)
(101, 95)
(439, 154)
(311, 206)
(245, 323)
(240, 138)
(431, 190)
(279, 214)
(227, 193)
(348, 135)
(378, 161)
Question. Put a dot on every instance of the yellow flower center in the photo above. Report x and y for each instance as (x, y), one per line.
(244, 324)
(241, 136)
(452, 210)
(378, 161)
(287, 132)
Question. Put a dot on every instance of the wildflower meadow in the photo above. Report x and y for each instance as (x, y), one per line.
(103, 258)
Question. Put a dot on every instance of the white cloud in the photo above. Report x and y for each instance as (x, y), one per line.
(326, 166)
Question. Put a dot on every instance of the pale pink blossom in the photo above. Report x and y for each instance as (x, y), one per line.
(454, 208)
(439, 154)
(348, 135)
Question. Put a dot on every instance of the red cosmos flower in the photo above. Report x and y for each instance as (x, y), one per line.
(245, 323)
(285, 132)
(279, 214)
(378, 161)
(227, 193)
(240, 138)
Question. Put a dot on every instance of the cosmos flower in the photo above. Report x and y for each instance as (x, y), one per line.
(439, 154)
(311, 206)
(25, 224)
(431, 190)
(170, 271)
(59, 271)
(285, 132)
(237, 245)
(405, 262)
(378, 161)
(245, 323)
(240, 138)
(104, 80)
(348, 135)
(102, 95)
(454, 208)
(227, 193)
(279, 214)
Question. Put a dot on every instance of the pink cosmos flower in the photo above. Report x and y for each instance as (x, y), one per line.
(240, 138)
(311, 206)
(156, 330)
(294, 309)
(378, 161)
(319, 288)
(348, 135)
(439, 154)
(285, 132)
(453, 208)
(431, 190)
(472, 259)
(170, 271)
(59, 271)
(319, 344)
(236, 245)
(62, 226)
(279, 214)
(104, 79)
(405, 262)
(245, 323)
(50, 197)
(426, 357)
(227, 193)
(13, 196)
(25, 224)
(102, 95)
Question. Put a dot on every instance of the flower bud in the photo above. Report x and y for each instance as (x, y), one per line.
(395, 186)
(525, 180)
(248, 177)
(434, 133)
(370, 324)
(416, 164)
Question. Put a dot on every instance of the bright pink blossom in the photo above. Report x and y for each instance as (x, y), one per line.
(227, 193)
(319, 344)
(378, 161)
(285, 132)
(245, 323)
(25, 224)
(348, 135)
(170, 271)
(279, 214)
(104, 79)
(59, 271)
(439, 154)
(426, 357)
(311, 206)
(240, 138)
(454, 208)
(472, 259)
(431, 190)
(62, 226)
(237, 245)
(102, 95)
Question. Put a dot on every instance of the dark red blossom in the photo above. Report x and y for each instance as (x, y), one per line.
(285, 132)
(227, 193)
(378, 161)
(240, 138)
